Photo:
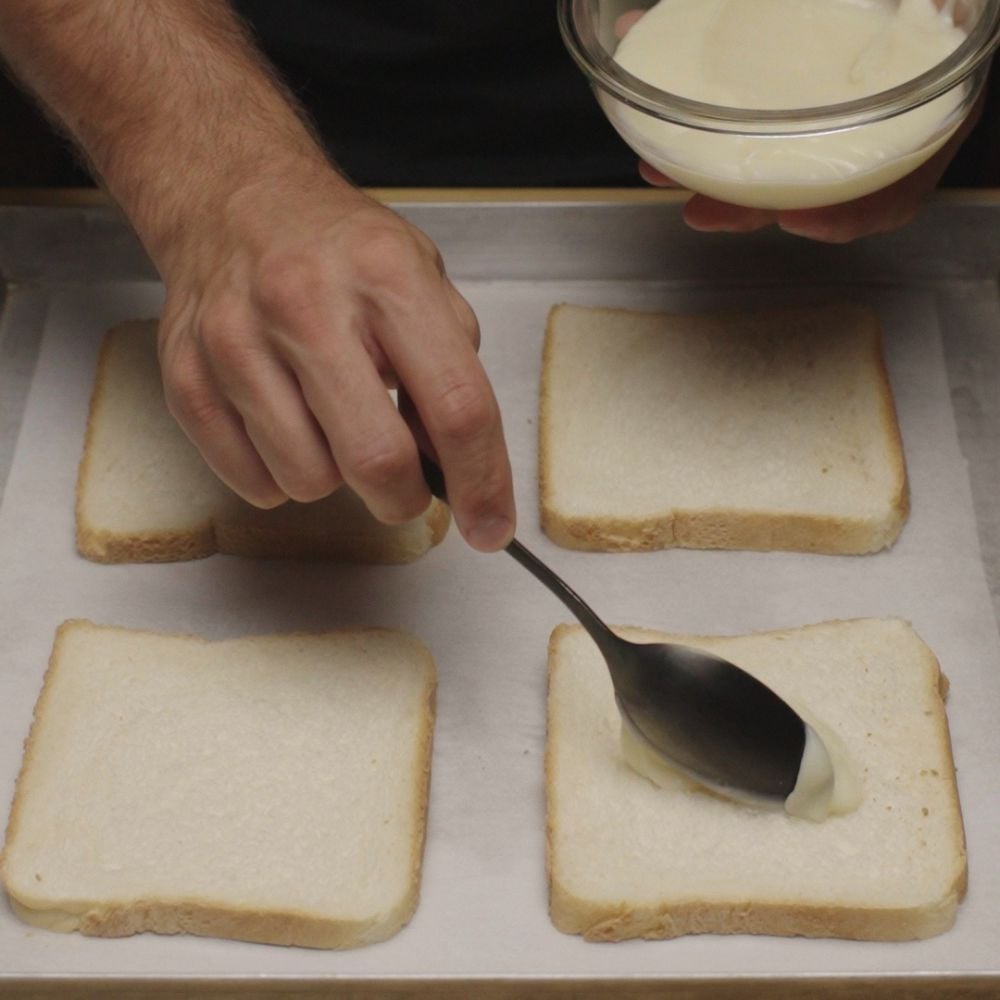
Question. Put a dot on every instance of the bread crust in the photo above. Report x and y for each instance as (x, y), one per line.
(206, 919)
(606, 923)
(121, 917)
(734, 526)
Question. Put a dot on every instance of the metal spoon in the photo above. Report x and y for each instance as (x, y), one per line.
(698, 713)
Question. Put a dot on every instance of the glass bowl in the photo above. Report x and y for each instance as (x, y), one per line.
(797, 157)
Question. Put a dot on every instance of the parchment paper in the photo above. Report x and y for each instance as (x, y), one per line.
(483, 905)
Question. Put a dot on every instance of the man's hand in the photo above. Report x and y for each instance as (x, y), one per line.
(293, 300)
(281, 332)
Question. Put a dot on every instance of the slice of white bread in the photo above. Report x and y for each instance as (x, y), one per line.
(266, 788)
(144, 493)
(767, 429)
(627, 859)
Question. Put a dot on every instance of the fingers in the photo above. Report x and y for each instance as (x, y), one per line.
(651, 175)
(625, 22)
(376, 453)
(458, 409)
(464, 315)
(429, 334)
(284, 387)
(708, 215)
(217, 430)
(882, 211)
(275, 417)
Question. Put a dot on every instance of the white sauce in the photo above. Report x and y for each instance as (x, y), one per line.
(828, 783)
(788, 54)
(645, 761)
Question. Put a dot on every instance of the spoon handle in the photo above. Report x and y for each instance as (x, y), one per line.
(596, 628)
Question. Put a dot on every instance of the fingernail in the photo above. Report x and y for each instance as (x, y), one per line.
(490, 533)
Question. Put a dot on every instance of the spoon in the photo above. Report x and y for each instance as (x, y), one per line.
(696, 712)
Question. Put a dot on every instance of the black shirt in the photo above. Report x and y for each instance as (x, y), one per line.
(442, 92)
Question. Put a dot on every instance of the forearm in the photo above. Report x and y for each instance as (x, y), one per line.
(168, 100)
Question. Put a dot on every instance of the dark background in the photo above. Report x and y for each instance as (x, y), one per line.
(442, 93)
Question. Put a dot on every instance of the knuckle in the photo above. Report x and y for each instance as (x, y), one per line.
(226, 339)
(385, 256)
(379, 464)
(192, 400)
(288, 287)
(466, 317)
(307, 485)
(463, 412)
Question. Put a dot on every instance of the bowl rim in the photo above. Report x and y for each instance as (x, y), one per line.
(606, 75)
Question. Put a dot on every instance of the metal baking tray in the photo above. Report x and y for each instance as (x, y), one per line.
(69, 271)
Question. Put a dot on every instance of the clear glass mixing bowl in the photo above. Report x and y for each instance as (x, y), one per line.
(785, 158)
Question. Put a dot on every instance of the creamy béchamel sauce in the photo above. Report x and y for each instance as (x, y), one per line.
(786, 55)
(828, 782)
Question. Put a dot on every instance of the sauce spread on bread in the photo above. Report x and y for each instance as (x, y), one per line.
(827, 785)
(828, 782)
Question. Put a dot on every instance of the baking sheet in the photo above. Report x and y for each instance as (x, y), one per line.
(483, 904)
